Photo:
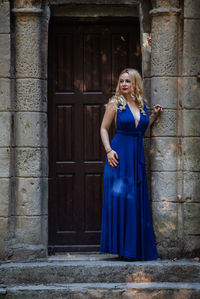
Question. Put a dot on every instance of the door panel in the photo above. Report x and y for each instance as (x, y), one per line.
(85, 59)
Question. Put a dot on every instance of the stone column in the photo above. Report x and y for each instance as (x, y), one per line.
(30, 135)
(5, 125)
(165, 157)
(145, 42)
(190, 102)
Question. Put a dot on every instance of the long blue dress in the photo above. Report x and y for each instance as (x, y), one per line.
(126, 216)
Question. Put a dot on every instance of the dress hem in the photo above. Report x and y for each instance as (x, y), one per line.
(130, 257)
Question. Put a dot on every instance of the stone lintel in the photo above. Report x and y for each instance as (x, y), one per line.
(97, 2)
(27, 11)
(93, 10)
(165, 11)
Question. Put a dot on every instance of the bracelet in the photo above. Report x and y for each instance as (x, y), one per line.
(109, 151)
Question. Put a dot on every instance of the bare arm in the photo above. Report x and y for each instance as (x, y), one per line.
(152, 118)
(157, 109)
(105, 125)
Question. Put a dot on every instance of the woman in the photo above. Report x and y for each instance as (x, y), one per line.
(126, 218)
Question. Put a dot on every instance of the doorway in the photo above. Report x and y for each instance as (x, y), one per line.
(84, 62)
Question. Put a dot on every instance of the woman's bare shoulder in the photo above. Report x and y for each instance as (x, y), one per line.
(111, 106)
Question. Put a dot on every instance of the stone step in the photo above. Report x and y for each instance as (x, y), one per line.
(151, 290)
(104, 271)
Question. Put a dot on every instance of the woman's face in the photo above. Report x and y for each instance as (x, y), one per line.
(125, 84)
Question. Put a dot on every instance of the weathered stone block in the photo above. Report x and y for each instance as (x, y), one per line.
(31, 162)
(165, 124)
(148, 131)
(148, 173)
(191, 153)
(191, 9)
(5, 17)
(4, 55)
(31, 229)
(191, 187)
(191, 47)
(84, 9)
(165, 219)
(190, 93)
(146, 55)
(191, 218)
(31, 196)
(31, 95)
(146, 151)
(167, 3)
(5, 102)
(28, 46)
(164, 92)
(163, 186)
(44, 37)
(4, 197)
(147, 90)
(27, 4)
(119, 2)
(164, 40)
(163, 154)
(3, 236)
(191, 122)
(192, 245)
(4, 162)
(5, 127)
(31, 129)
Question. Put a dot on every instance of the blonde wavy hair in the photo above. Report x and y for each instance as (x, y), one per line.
(137, 92)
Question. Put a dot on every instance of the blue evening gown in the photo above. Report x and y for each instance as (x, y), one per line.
(126, 216)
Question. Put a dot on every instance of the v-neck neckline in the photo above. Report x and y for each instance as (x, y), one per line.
(134, 116)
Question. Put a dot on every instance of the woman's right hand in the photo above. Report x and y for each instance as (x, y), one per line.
(112, 158)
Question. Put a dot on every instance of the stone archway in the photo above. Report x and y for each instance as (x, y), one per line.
(26, 230)
(30, 221)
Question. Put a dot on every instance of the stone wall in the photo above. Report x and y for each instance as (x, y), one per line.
(190, 106)
(175, 150)
(171, 58)
(30, 165)
(5, 125)
(23, 130)
(164, 152)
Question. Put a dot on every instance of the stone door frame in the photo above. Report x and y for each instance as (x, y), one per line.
(30, 158)
(86, 11)
(27, 221)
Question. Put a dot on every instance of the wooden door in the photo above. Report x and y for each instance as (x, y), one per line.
(85, 59)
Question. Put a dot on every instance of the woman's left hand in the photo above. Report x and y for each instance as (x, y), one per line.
(158, 108)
